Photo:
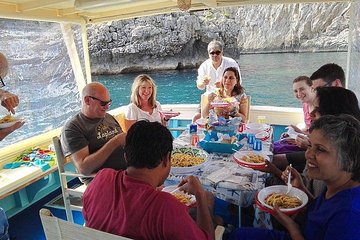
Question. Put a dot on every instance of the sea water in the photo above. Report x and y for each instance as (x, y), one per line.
(266, 77)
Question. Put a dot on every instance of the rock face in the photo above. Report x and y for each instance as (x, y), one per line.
(179, 40)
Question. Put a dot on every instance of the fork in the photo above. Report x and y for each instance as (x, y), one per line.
(289, 186)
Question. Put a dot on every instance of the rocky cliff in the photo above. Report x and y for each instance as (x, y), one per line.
(179, 40)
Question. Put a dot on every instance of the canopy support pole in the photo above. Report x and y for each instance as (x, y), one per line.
(73, 55)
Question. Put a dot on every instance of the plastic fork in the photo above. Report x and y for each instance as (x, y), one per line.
(289, 186)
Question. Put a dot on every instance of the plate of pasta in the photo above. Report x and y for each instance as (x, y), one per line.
(186, 160)
(289, 203)
(185, 198)
(8, 121)
(251, 159)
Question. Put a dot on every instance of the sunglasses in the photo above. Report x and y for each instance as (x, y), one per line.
(215, 53)
(2, 84)
(102, 103)
(328, 84)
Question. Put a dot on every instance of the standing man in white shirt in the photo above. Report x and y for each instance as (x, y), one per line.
(211, 70)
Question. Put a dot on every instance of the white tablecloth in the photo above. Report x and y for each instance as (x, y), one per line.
(224, 177)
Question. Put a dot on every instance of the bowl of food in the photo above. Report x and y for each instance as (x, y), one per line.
(185, 198)
(288, 203)
(251, 159)
(186, 160)
(8, 121)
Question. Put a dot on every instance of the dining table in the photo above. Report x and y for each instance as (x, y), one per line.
(225, 178)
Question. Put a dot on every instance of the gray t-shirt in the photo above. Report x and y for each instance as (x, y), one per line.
(81, 131)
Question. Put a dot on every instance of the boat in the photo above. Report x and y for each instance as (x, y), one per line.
(20, 189)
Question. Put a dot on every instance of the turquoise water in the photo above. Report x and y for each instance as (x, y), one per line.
(266, 77)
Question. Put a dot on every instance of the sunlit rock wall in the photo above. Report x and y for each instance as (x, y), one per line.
(179, 40)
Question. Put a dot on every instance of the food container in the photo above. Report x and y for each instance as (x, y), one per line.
(294, 192)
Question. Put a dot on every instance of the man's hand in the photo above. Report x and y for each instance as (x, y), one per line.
(206, 79)
(192, 185)
(9, 101)
(302, 141)
(271, 168)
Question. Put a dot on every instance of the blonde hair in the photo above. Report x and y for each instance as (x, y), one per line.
(135, 98)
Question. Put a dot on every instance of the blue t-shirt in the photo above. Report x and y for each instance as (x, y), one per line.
(334, 218)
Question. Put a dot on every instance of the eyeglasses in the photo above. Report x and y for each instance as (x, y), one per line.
(2, 84)
(215, 53)
(102, 103)
(328, 84)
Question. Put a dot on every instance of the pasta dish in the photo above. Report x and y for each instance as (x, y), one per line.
(182, 198)
(7, 119)
(282, 200)
(185, 160)
(253, 158)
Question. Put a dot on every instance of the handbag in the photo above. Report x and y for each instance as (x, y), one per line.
(284, 146)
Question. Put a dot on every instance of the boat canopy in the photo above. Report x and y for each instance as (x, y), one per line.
(94, 11)
(83, 12)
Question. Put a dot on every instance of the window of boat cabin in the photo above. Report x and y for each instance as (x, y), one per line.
(40, 73)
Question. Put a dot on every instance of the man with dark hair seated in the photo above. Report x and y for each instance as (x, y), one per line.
(328, 75)
(128, 203)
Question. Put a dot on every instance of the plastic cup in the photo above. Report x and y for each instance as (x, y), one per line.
(251, 138)
(241, 127)
(257, 145)
(261, 119)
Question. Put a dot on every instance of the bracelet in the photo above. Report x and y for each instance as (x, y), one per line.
(166, 120)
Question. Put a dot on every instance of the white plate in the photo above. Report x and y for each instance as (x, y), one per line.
(257, 127)
(170, 113)
(240, 154)
(262, 135)
(294, 192)
(192, 199)
(220, 104)
(197, 152)
(9, 124)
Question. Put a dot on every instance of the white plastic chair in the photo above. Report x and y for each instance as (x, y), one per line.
(66, 191)
(58, 229)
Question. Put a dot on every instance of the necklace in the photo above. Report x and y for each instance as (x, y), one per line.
(338, 189)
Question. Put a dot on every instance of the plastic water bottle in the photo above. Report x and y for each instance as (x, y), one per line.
(212, 117)
(194, 138)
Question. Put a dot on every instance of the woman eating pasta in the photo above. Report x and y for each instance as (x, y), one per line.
(333, 156)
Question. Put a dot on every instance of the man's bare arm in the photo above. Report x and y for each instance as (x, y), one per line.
(87, 163)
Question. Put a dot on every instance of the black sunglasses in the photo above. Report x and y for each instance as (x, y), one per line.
(215, 53)
(102, 103)
(2, 84)
(328, 84)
